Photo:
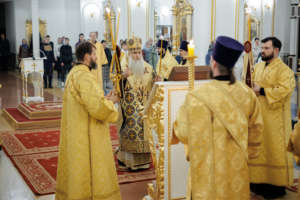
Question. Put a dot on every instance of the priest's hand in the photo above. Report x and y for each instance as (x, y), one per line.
(113, 96)
(158, 79)
(127, 72)
(256, 88)
(174, 139)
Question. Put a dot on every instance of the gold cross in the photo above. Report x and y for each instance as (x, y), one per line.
(33, 65)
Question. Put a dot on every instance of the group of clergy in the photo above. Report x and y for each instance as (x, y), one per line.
(237, 136)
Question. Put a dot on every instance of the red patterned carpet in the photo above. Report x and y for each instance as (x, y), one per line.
(35, 153)
(41, 110)
(45, 106)
(19, 121)
(20, 118)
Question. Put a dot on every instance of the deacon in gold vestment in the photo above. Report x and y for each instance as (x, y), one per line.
(86, 166)
(134, 151)
(221, 123)
(101, 58)
(274, 84)
(166, 62)
(294, 145)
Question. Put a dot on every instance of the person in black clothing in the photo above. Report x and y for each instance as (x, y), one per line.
(4, 51)
(107, 84)
(66, 60)
(48, 49)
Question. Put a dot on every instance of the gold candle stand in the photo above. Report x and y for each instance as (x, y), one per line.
(192, 72)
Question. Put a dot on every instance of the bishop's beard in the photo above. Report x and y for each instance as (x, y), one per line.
(137, 67)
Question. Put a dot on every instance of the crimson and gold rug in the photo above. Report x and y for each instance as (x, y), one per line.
(35, 155)
(41, 110)
(20, 122)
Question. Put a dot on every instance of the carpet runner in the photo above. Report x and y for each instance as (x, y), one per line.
(35, 155)
(20, 122)
(42, 110)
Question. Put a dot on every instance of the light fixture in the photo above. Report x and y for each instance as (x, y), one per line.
(139, 3)
(165, 11)
(91, 11)
(248, 10)
(268, 3)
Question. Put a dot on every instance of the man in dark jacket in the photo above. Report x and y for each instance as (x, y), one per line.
(107, 84)
(66, 58)
(4, 51)
(48, 49)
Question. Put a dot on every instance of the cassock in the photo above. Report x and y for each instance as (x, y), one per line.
(221, 125)
(167, 64)
(274, 165)
(86, 166)
(134, 149)
(101, 60)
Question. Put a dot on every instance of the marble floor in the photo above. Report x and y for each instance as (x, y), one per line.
(10, 96)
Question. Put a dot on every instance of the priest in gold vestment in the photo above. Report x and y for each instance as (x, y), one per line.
(86, 166)
(274, 84)
(221, 123)
(166, 61)
(294, 145)
(182, 58)
(134, 150)
(101, 58)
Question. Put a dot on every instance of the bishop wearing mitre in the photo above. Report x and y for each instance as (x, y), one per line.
(136, 84)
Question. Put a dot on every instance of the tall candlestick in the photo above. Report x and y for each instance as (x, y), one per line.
(249, 27)
(110, 26)
(191, 72)
(160, 57)
(118, 24)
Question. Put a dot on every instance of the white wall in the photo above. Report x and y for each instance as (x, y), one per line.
(225, 18)
(201, 28)
(10, 24)
(123, 30)
(283, 24)
(22, 13)
(64, 18)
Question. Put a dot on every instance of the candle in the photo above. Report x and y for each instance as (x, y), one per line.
(118, 25)
(191, 48)
(110, 26)
(249, 27)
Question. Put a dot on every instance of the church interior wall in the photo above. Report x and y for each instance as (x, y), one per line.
(23, 13)
(201, 28)
(67, 18)
(283, 24)
(10, 22)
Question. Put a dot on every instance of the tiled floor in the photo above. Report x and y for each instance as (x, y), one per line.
(10, 96)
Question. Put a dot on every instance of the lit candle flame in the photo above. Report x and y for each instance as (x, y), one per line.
(108, 10)
(119, 10)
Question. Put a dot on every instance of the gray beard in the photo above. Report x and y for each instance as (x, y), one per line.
(136, 66)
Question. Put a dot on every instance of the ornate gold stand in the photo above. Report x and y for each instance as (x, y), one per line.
(298, 89)
(192, 72)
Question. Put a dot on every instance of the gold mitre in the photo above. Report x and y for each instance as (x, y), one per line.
(134, 43)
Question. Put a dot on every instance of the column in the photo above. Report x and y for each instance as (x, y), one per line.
(189, 18)
(175, 33)
(35, 28)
